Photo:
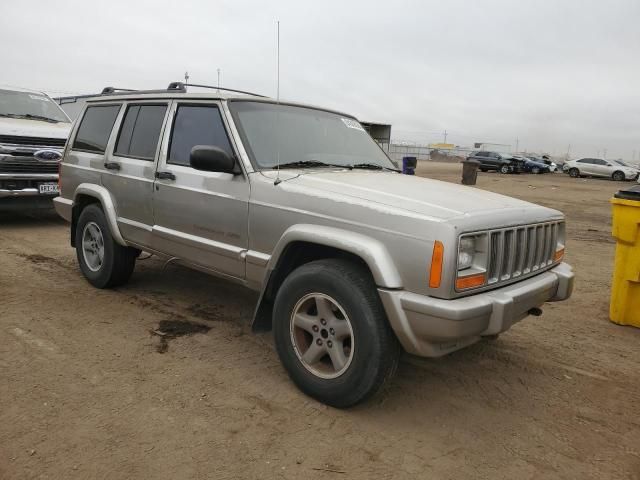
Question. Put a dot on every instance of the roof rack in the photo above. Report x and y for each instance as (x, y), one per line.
(178, 87)
(173, 85)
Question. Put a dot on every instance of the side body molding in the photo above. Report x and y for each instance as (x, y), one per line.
(102, 194)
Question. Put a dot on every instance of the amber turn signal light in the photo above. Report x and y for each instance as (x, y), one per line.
(559, 254)
(471, 281)
(435, 274)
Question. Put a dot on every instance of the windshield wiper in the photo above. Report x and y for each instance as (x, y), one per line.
(374, 166)
(311, 164)
(30, 116)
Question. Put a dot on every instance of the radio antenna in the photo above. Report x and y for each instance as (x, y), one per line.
(277, 181)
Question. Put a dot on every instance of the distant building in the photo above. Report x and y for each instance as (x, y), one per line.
(380, 132)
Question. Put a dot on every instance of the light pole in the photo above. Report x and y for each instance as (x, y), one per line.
(186, 77)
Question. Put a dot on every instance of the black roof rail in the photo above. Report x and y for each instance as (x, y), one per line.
(175, 85)
(107, 90)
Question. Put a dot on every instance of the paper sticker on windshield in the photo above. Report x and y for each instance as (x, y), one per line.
(38, 97)
(353, 124)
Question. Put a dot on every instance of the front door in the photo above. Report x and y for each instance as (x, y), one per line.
(200, 217)
(130, 167)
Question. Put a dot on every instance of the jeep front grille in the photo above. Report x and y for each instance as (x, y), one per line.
(520, 251)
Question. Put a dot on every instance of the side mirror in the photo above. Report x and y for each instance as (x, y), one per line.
(211, 159)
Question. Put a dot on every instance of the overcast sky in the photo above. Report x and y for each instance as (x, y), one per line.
(548, 73)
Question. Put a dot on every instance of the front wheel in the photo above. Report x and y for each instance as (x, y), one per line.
(505, 169)
(618, 176)
(332, 334)
(103, 262)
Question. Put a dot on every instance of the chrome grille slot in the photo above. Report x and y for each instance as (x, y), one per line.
(521, 251)
(493, 258)
(507, 256)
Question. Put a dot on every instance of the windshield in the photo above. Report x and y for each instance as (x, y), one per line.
(30, 105)
(300, 136)
(619, 162)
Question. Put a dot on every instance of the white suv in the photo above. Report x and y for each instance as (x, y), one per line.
(597, 167)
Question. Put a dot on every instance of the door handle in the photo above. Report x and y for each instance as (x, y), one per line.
(165, 176)
(112, 165)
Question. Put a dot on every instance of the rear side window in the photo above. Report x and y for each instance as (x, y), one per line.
(481, 154)
(196, 125)
(95, 128)
(140, 131)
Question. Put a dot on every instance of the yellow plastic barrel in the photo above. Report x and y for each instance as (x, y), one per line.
(625, 290)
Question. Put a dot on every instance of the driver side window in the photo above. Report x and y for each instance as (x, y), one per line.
(196, 125)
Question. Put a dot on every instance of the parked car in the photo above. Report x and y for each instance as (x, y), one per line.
(598, 167)
(553, 167)
(500, 162)
(352, 259)
(532, 166)
(33, 132)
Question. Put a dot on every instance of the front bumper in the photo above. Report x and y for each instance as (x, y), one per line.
(27, 184)
(431, 327)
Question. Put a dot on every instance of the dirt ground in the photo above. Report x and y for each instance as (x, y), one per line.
(87, 391)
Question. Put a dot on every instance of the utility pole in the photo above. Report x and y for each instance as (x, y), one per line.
(218, 78)
(604, 153)
(517, 144)
(568, 152)
(186, 77)
(445, 136)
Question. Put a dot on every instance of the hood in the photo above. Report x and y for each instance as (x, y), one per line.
(34, 128)
(430, 198)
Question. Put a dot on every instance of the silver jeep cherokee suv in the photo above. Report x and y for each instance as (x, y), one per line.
(353, 261)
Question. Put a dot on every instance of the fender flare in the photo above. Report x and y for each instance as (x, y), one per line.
(104, 197)
(371, 251)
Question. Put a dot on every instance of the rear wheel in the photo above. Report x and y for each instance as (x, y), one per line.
(331, 332)
(535, 170)
(505, 169)
(574, 172)
(618, 176)
(483, 170)
(103, 262)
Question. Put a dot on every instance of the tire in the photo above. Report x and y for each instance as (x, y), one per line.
(483, 170)
(618, 176)
(504, 169)
(574, 172)
(103, 262)
(535, 170)
(347, 295)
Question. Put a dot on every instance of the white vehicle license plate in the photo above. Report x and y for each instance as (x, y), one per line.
(48, 188)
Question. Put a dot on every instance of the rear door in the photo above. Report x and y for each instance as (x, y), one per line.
(200, 217)
(585, 166)
(130, 166)
(482, 158)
